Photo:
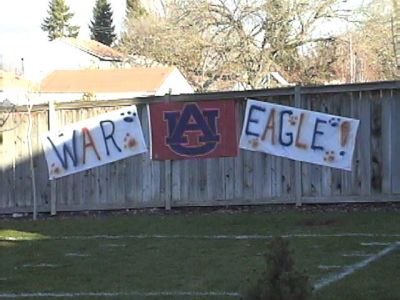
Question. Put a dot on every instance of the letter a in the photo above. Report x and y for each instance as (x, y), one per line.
(270, 126)
(86, 132)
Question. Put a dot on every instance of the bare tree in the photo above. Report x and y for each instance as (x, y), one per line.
(216, 42)
(367, 52)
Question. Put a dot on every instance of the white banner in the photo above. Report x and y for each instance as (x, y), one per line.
(299, 134)
(93, 142)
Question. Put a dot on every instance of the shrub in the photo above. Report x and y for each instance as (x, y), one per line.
(280, 280)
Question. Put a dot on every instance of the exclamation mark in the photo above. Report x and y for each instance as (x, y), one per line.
(344, 135)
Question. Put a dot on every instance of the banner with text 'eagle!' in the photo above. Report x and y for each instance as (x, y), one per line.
(193, 130)
(299, 134)
(93, 142)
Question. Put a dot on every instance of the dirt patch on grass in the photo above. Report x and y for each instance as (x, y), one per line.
(238, 209)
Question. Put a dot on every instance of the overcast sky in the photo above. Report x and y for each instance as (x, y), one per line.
(20, 20)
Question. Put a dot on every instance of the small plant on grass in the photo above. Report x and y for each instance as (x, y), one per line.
(280, 280)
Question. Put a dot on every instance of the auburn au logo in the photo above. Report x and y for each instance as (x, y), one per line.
(192, 131)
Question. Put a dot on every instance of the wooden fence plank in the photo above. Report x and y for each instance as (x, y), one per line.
(4, 163)
(238, 161)
(167, 184)
(248, 176)
(395, 138)
(387, 142)
(202, 180)
(258, 176)
(23, 191)
(365, 143)
(355, 182)
(376, 159)
(213, 179)
(229, 178)
(176, 182)
(39, 161)
(267, 184)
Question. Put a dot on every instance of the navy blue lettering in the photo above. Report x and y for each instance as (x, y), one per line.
(192, 120)
(211, 116)
(172, 118)
(250, 120)
(317, 132)
(66, 152)
(290, 135)
(108, 136)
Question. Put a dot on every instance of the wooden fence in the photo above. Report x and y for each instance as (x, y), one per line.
(250, 178)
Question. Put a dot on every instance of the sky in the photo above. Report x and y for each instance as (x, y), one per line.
(20, 21)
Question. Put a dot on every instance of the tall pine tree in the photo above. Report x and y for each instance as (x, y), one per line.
(101, 28)
(57, 23)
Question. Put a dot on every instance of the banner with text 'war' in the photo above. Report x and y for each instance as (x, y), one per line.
(299, 134)
(193, 130)
(93, 142)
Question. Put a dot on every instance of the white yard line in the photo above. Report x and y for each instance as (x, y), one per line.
(329, 267)
(118, 294)
(41, 265)
(375, 244)
(351, 269)
(220, 236)
(113, 245)
(205, 237)
(73, 254)
(357, 254)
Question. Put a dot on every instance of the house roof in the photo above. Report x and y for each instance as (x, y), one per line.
(106, 80)
(11, 81)
(95, 48)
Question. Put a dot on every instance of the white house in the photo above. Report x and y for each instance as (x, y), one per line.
(14, 88)
(68, 54)
(112, 84)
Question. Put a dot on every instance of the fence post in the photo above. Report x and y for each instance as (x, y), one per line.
(53, 185)
(168, 171)
(31, 165)
(297, 164)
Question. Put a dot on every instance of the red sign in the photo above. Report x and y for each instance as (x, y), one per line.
(193, 130)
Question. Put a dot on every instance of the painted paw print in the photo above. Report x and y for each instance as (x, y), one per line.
(254, 143)
(55, 169)
(129, 116)
(334, 122)
(129, 142)
(293, 120)
(329, 156)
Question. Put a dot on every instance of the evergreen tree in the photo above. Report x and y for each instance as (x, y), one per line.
(101, 28)
(280, 280)
(57, 23)
(135, 9)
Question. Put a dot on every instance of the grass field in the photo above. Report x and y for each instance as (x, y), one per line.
(205, 254)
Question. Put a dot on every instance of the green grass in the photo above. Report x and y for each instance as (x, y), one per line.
(193, 264)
